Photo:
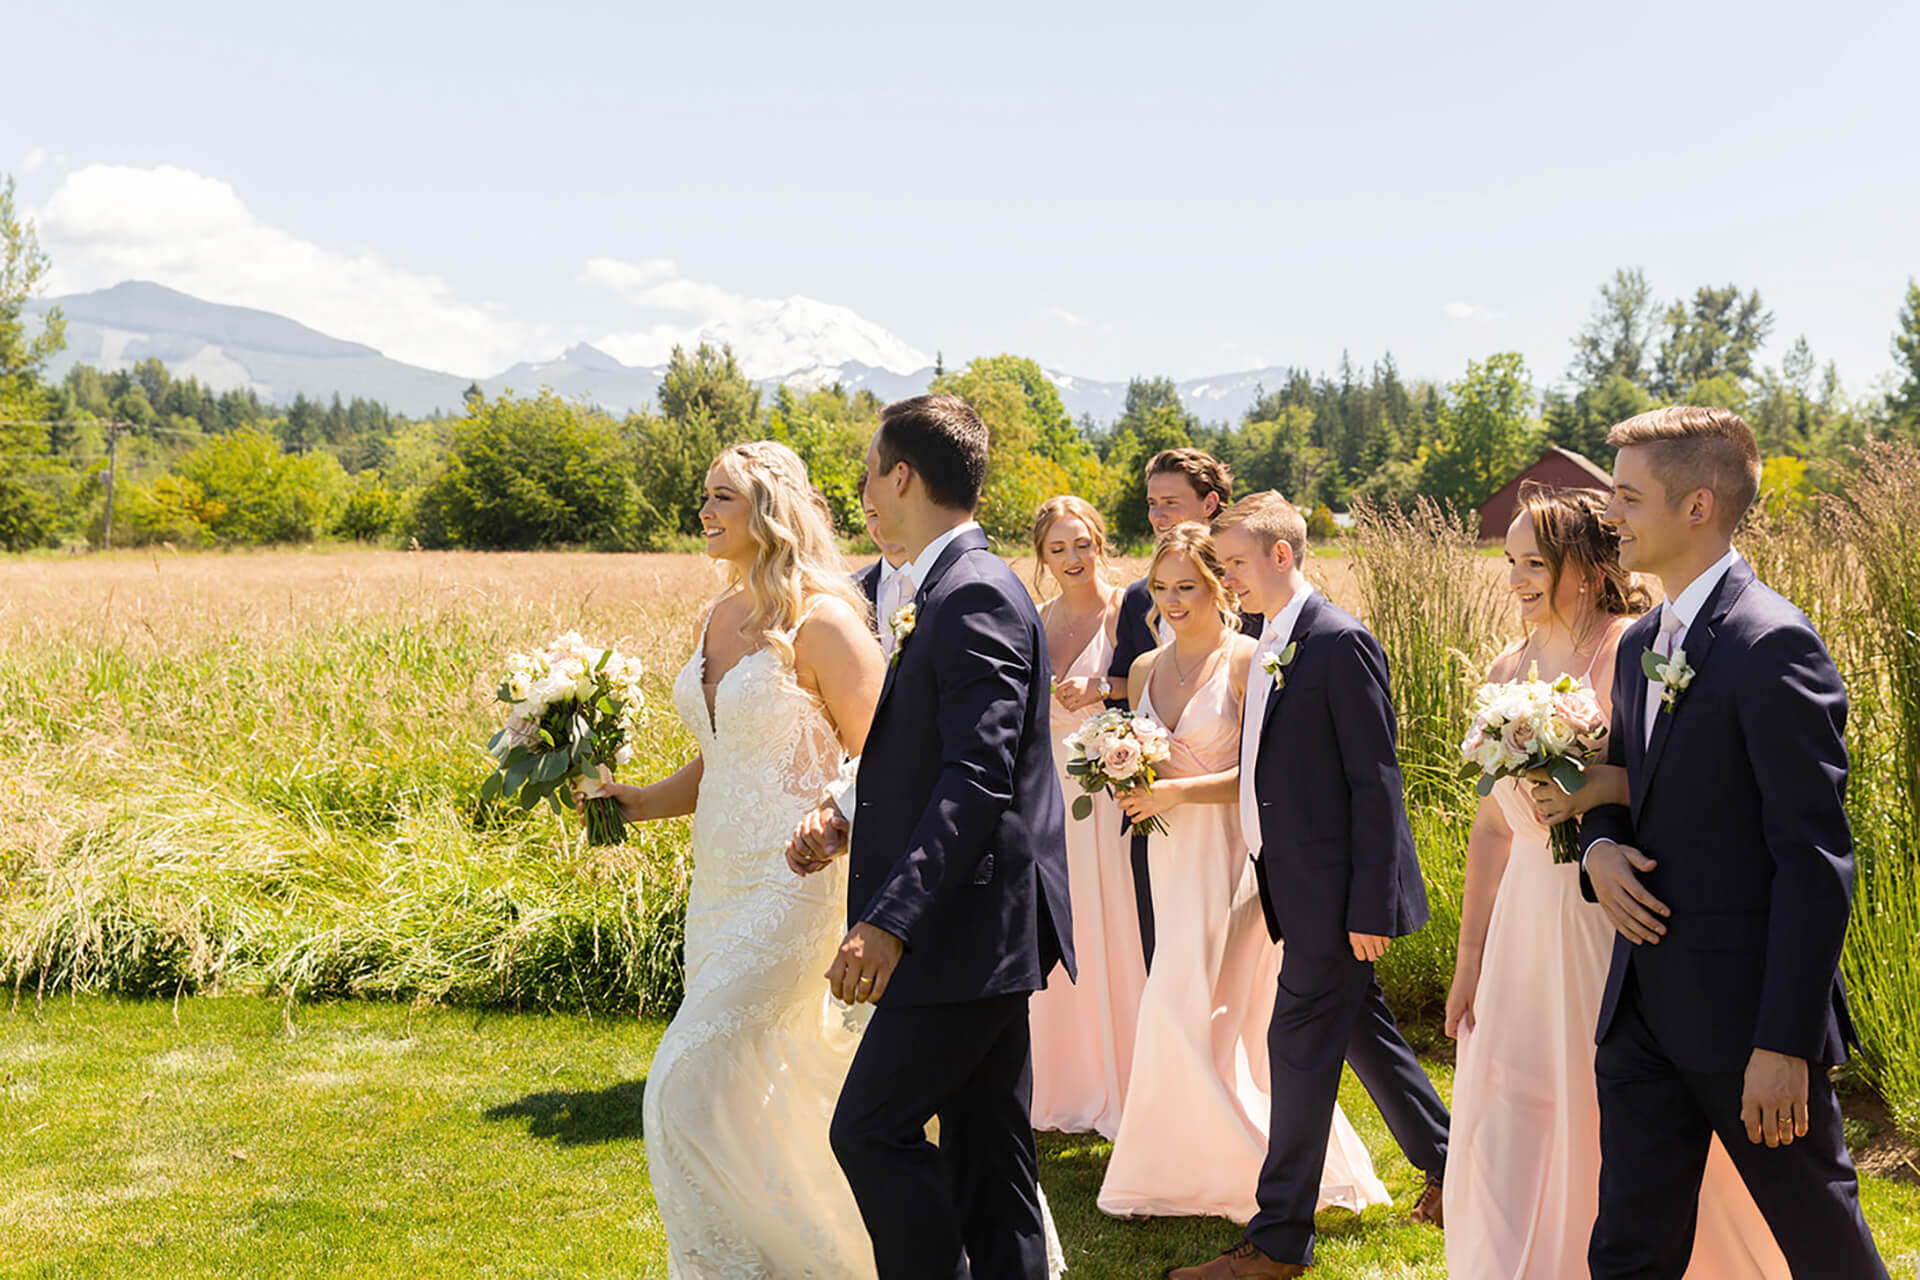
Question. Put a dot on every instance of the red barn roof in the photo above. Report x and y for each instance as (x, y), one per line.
(1556, 468)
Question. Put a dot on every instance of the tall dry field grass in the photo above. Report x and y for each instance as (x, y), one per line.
(261, 771)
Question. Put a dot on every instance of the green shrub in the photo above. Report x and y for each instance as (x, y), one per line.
(531, 473)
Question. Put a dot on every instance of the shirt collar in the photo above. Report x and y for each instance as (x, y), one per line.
(1279, 628)
(1693, 597)
(917, 568)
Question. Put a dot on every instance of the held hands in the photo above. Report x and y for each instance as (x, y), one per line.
(1773, 1101)
(865, 963)
(1615, 871)
(819, 839)
(1081, 691)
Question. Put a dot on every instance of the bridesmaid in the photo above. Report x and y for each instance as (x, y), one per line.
(1083, 1031)
(1523, 1165)
(1193, 1132)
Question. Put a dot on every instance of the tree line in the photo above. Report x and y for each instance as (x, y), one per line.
(195, 467)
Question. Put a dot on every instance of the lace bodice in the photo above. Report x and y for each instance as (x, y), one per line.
(769, 751)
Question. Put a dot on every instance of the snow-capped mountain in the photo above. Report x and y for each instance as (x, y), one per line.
(778, 339)
(797, 342)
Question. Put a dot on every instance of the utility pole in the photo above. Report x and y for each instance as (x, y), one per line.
(113, 451)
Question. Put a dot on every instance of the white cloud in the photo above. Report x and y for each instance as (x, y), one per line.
(1060, 315)
(1470, 311)
(108, 223)
(770, 336)
(35, 158)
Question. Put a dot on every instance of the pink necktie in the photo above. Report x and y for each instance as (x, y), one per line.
(1670, 627)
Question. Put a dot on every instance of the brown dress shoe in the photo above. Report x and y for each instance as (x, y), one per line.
(1244, 1259)
(1431, 1208)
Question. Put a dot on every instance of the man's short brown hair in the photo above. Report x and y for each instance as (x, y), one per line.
(1270, 518)
(1206, 473)
(1693, 447)
(944, 441)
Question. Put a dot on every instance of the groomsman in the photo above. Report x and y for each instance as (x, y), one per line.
(882, 584)
(1729, 879)
(1183, 485)
(1324, 817)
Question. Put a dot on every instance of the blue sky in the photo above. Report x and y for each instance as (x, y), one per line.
(1113, 190)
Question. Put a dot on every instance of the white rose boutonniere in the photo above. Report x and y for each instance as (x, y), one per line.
(1276, 664)
(1674, 675)
(902, 624)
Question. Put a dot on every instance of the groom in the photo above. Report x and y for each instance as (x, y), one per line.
(1729, 879)
(957, 896)
(1322, 812)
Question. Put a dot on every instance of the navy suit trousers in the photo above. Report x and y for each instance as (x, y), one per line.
(1656, 1124)
(970, 1206)
(1330, 1011)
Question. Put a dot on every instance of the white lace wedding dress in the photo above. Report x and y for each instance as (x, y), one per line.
(743, 1085)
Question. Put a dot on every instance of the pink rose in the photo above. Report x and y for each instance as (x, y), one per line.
(1122, 759)
(1519, 736)
(1581, 709)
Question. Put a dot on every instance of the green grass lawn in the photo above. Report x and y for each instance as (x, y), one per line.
(237, 1137)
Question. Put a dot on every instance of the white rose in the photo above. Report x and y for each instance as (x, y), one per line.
(1556, 735)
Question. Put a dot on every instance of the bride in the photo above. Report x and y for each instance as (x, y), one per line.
(781, 685)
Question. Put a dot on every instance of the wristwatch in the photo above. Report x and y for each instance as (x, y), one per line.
(1106, 687)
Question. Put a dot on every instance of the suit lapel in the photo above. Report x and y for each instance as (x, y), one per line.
(1698, 646)
(1302, 628)
(971, 540)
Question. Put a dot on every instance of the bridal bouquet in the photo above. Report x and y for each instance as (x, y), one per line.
(1530, 724)
(575, 708)
(1115, 752)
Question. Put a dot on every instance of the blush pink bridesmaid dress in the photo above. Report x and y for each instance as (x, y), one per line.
(1083, 1030)
(1523, 1161)
(1193, 1132)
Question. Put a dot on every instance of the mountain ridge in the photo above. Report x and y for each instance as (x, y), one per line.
(228, 347)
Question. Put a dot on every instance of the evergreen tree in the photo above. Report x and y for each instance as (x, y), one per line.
(1903, 402)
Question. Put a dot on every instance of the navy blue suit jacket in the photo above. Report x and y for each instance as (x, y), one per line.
(867, 578)
(959, 843)
(1740, 797)
(1336, 854)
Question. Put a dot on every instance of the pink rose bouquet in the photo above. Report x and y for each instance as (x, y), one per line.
(1115, 752)
(1531, 724)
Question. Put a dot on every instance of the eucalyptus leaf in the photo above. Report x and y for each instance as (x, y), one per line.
(1485, 786)
(1083, 807)
(1567, 775)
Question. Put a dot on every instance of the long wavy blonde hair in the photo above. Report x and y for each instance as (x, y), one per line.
(796, 559)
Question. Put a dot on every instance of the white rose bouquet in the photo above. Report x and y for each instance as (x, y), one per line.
(1530, 724)
(575, 709)
(1115, 752)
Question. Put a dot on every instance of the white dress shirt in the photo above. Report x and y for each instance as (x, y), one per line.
(1693, 598)
(1686, 606)
(844, 790)
(1277, 636)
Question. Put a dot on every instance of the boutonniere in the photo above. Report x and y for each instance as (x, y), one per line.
(902, 624)
(1673, 675)
(1276, 664)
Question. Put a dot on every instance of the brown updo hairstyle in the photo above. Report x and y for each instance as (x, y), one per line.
(1572, 539)
(1194, 541)
(1051, 512)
